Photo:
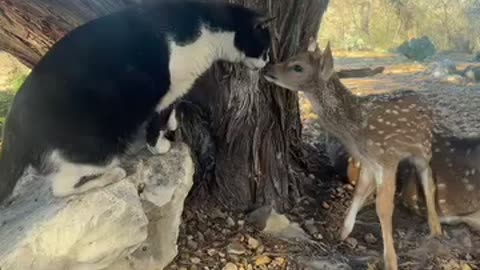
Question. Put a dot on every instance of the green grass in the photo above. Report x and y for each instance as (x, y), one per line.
(17, 82)
(6, 97)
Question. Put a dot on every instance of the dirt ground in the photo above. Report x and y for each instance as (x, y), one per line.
(212, 238)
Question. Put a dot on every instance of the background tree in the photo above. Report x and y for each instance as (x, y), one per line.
(245, 134)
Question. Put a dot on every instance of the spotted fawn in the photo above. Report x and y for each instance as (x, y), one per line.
(379, 131)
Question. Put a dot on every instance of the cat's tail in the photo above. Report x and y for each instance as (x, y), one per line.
(13, 161)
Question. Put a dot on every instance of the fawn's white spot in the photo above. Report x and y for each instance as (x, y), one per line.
(371, 127)
(442, 201)
(380, 120)
(469, 187)
(403, 119)
(465, 181)
(441, 185)
(405, 110)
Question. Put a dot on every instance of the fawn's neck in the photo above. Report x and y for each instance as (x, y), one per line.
(340, 112)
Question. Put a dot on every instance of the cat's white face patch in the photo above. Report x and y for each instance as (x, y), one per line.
(254, 63)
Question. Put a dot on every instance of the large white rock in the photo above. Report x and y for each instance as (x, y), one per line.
(109, 228)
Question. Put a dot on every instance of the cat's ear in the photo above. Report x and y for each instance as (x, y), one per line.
(262, 22)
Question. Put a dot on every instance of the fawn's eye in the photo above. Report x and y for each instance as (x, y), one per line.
(297, 68)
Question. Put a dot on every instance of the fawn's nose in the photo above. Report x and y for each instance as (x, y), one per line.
(268, 72)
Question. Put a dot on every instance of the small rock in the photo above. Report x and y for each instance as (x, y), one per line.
(349, 187)
(279, 261)
(253, 243)
(352, 242)
(217, 213)
(361, 248)
(192, 244)
(325, 205)
(311, 176)
(195, 260)
(221, 254)
(200, 237)
(260, 249)
(230, 266)
(262, 260)
(370, 238)
(230, 222)
(318, 236)
(310, 227)
(211, 252)
(236, 248)
(241, 223)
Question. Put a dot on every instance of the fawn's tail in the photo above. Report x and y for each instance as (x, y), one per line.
(13, 161)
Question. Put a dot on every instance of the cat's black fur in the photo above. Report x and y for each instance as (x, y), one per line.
(92, 92)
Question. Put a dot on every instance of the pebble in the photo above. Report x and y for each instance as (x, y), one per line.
(241, 223)
(325, 205)
(361, 248)
(230, 266)
(236, 248)
(260, 249)
(195, 260)
(192, 244)
(279, 261)
(253, 243)
(349, 187)
(262, 260)
(352, 242)
(370, 238)
(211, 252)
(230, 222)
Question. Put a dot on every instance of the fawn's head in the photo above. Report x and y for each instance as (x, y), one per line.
(303, 72)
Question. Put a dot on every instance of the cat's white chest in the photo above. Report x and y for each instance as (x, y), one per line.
(188, 62)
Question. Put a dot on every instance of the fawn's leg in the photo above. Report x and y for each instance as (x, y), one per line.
(385, 180)
(429, 189)
(364, 188)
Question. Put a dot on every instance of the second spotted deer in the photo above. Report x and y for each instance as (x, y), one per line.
(380, 131)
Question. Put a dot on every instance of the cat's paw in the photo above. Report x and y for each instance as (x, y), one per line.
(163, 146)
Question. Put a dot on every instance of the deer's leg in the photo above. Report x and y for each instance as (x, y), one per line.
(385, 180)
(364, 188)
(428, 186)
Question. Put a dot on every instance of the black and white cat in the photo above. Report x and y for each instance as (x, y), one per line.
(90, 96)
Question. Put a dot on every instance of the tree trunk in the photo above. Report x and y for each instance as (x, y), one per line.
(244, 133)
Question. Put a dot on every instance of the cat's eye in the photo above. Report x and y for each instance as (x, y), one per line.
(297, 68)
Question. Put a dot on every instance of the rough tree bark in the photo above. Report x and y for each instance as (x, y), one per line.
(244, 133)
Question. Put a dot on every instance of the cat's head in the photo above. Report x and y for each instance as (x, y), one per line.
(252, 38)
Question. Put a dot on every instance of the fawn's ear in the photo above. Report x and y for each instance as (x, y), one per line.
(326, 63)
